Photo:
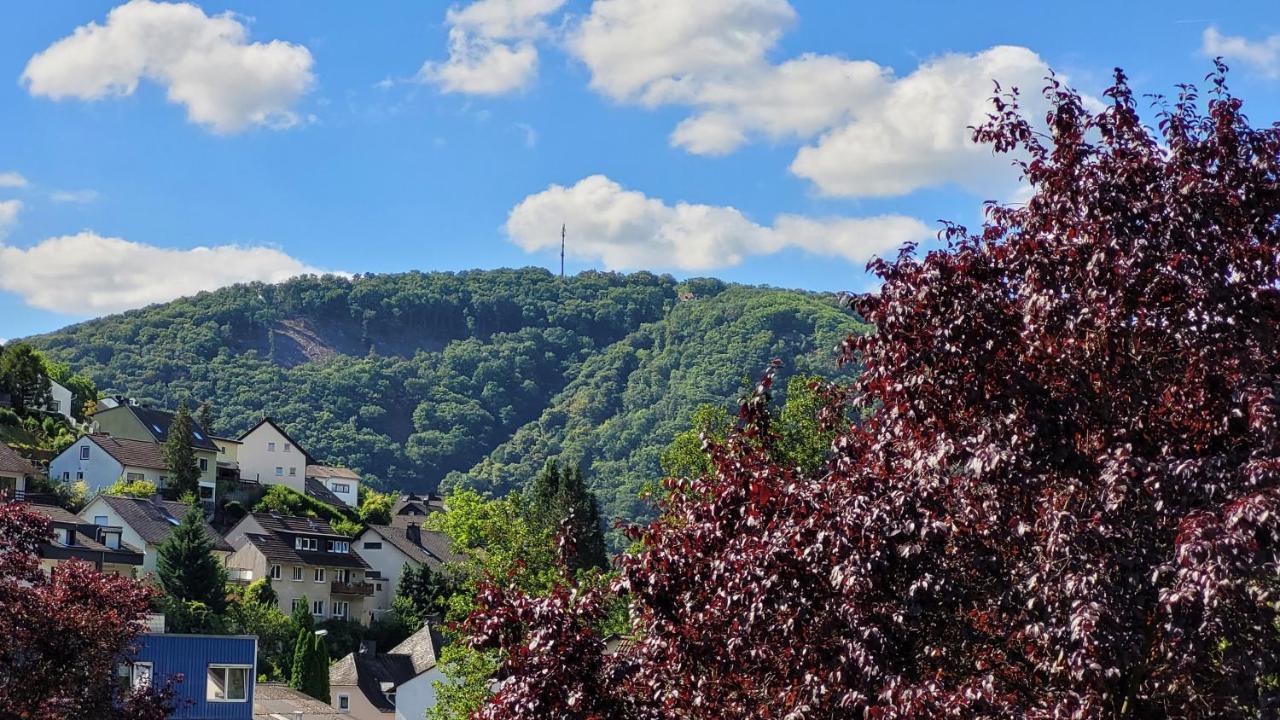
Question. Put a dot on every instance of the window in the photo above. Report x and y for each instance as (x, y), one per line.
(66, 474)
(57, 406)
(271, 447)
(293, 471)
(288, 447)
(279, 471)
(319, 575)
(84, 452)
(373, 546)
(61, 536)
(204, 464)
(340, 609)
(140, 675)
(306, 543)
(297, 603)
(297, 574)
(317, 608)
(344, 703)
(339, 546)
(79, 476)
(111, 540)
(206, 492)
(227, 683)
(99, 519)
(275, 572)
(342, 576)
(134, 477)
(379, 587)
(341, 488)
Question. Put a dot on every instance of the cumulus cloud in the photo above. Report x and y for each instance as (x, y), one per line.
(626, 229)
(491, 46)
(876, 133)
(87, 274)
(1261, 55)
(204, 63)
(9, 210)
(12, 180)
(79, 197)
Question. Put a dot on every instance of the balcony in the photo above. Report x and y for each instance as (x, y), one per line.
(363, 589)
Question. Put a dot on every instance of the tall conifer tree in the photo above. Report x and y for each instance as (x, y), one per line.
(187, 569)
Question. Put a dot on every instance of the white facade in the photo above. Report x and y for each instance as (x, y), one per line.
(62, 400)
(347, 490)
(268, 457)
(387, 560)
(87, 461)
(415, 697)
(99, 512)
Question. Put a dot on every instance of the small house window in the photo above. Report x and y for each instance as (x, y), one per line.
(341, 488)
(344, 703)
(227, 683)
(342, 576)
(84, 452)
(99, 519)
(140, 675)
(279, 471)
(293, 471)
(79, 475)
(340, 609)
(66, 474)
(275, 572)
(204, 464)
(271, 447)
(288, 447)
(297, 603)
(57, 406)
(61, 536)
(112, 540)
(317, 607)
(319, 575)
(297, 574)
(339, 546)
(134, 477)
(373, 546)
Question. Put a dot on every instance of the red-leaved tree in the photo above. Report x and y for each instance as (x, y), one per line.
(1063, 501)
(63, 634)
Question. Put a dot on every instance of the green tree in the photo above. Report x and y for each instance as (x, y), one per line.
(375, 507)
(310, 671)
(132, 488)
(686, 457)
(301, 616)
(186, 567)
(558, 498)
(261, 592)
(84, 394)
(23, 376)
(180, 456)
(204, 416)
(274, 630)
(421, 594)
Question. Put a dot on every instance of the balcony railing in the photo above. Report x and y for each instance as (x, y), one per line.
(364, 589)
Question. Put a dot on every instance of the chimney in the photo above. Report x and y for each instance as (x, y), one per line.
(414, 533)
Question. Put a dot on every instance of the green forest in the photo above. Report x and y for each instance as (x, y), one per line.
(472, 379)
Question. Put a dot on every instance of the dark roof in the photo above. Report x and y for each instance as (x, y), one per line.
(134, 453)
(157, 423)
(417, 505)
(12, 462)
(274, 523)
(155, 519)
(328, 471)
(274, 424)
(317, 490)
(375, 675)
(86, 537)
(277, 701)
(281, 551)
(433, 548)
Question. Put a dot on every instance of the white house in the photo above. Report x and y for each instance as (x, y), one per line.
(100, 460)
(14, 471)
(390, 548)
(146, 523)
(269, 456)
(62, 402)
(398, 684)
(344, 483)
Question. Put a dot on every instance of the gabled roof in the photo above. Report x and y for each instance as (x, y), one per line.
(327, 471)
(126, 553)
(417, 505)
(277, 701)
(280, 551)
(375, 675)
(291, 525)
(285, 435)
(154, 519)
(132, 453)
(12, 462)
(157, 423)
(433, 548)
(317, 490)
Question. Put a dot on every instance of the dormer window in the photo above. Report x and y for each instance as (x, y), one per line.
(339, 546)
(62, 536)
(306, 543)
(111, 540)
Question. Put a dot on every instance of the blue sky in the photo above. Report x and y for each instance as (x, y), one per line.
(754, 140)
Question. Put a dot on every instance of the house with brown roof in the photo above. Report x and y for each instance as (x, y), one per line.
(398, 684)
(341, 483)
(102, 546)
(390, 548)
(100, 460)
(146, 523)
(277, 701)
(306, 560)
(147, 424)
(14, 471)
(417, 506)
(268, 455)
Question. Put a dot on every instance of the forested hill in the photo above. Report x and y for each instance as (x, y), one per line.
(476, 377)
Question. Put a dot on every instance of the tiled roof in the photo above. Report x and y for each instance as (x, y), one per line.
(83, 540)
(327, 471)
(377, 674)
(133, 453)
(155, 519)
(276, 701)
(271, 522)
(280, 551)
(417, 505)
(434, 548)
(317, 490)
(157, 423)
(12, 462)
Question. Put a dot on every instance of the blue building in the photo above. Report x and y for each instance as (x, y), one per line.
(218, 672)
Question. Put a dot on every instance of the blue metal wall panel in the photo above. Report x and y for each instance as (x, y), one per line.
(191, 655)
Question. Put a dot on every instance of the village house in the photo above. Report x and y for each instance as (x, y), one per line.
(306, 560)
(277, 701)
(14, 471)
(390, 548)
(215, 673)
(146, 523)
(269, 456)
(398, 684)
(102, 546)
(135, 422)
(62, 401)
(228, 458)
(342, 483)
(100, 460)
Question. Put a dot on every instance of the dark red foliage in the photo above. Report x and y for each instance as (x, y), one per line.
(1065, 501)
(62, 635)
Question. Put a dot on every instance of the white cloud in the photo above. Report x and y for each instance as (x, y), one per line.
(204, 63)
(491, 46)
(79, 197)
(626, 229)
(530, 134)
(9, 210)
(86, 273)
(12, 180)
(877, 134)
(1261, 55)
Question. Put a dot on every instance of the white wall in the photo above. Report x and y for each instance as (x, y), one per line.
(351, 496)
(418, 695)
(128, 536)
(387, 560)
(258, 463)
(100, 470)
(62, 399)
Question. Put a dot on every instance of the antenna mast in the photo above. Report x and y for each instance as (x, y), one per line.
(562, 252)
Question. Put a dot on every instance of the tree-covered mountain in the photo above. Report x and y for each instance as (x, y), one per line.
(475, 378)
